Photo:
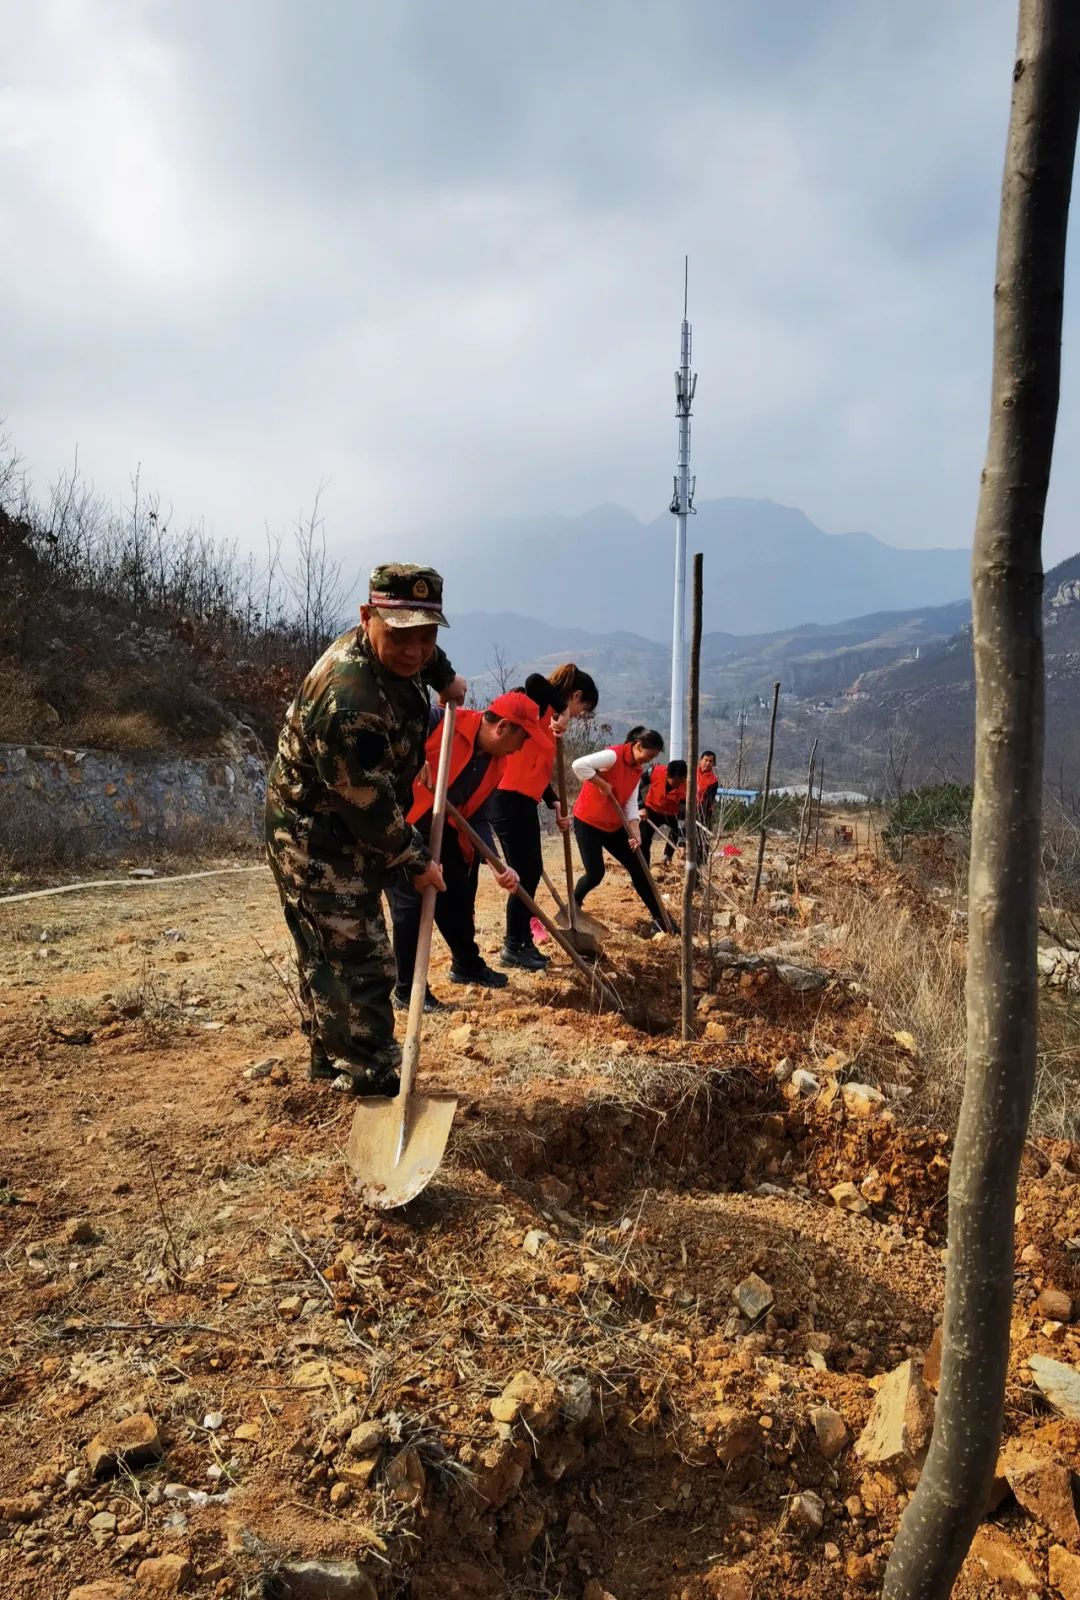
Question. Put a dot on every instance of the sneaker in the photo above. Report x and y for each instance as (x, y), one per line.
(484, 977)
(522, 955)
(400, 998)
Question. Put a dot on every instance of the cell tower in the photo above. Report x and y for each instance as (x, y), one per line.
(682, 506)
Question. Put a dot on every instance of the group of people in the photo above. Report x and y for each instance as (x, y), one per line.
(349, 807)
(665, 800)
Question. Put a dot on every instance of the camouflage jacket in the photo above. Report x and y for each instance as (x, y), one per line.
(341, 781)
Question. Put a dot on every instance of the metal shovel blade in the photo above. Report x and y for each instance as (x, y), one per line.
(388, 1176)
(585, 939)
(584, 932)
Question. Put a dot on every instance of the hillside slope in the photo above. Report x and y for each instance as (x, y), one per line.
(932, 700)
(813, 660)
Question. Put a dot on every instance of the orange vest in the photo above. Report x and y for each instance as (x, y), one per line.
(528, 770)
(595, 808)
(466, 732)
(662, 799)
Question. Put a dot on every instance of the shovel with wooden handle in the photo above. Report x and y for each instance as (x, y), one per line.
(395, 1145)
(582, 932)
(585, 923)
(486, 853)
(669, 926)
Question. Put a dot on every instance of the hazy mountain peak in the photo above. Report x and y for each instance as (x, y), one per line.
(767, 566)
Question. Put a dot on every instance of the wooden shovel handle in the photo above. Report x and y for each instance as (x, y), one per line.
(665, 919)
(485, 852)
(410, 1054)
(568, 857)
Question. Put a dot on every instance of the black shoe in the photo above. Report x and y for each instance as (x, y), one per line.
(376, 1074)
(400, 1000)
(524, 955)
(377, 1084)
(484, 977)
(321, 1064)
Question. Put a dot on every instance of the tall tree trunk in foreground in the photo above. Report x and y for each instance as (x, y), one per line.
(1002, 996)
(691, 866)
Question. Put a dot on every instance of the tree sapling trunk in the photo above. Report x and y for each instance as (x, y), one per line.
(1002, 991)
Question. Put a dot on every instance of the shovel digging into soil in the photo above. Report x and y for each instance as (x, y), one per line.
(395, 1146)
(581, 931)
(485, 852)
(591, 932)
(665, 915)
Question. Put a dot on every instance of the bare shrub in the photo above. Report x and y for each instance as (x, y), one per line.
(107, 608)
(20, 709)
(32, 841)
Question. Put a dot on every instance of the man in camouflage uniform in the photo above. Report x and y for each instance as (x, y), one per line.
(336, 830)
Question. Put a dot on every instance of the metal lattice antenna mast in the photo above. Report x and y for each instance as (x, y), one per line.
(682, 506)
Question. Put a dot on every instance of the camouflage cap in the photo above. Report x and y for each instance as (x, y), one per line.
(406, 596)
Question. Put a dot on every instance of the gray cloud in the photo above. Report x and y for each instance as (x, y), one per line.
(433, 254)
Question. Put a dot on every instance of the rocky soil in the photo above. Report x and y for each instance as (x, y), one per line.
(662, 1326)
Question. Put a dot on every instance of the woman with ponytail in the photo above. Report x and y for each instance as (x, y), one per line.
(566, 693)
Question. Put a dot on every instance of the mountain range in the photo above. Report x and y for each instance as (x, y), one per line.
(767, 567)
(871, 643)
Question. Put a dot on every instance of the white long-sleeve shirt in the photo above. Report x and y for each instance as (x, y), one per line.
(594, 766)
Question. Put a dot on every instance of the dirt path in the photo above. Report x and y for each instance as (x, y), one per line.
(179, 1239)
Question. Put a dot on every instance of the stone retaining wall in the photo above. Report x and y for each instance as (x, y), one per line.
(114, 800)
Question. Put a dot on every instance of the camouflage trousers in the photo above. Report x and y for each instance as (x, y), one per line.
(346, 972)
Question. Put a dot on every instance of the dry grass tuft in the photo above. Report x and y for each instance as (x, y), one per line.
(1055, 1112)
(913, 968)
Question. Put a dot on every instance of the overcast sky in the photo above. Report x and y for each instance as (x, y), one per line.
(432, 253)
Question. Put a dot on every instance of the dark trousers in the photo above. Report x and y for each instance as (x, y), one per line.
(669, 826)
(454, 913)
(592, 842)
(517, 822)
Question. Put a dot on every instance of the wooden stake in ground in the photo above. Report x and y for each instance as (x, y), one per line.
(820, 792)
(808, 806)
(1002, 989)
(765, 795)
(691, 865)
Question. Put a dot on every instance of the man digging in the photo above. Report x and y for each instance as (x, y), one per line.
(337, 796)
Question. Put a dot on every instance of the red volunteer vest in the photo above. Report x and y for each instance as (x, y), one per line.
(660, 798)
(528, 770)
(595, 808)
(466, 732)
(705, 782)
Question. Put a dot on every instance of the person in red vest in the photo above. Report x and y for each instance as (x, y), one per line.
(664, 800)
(707, 785)
(609, 796)
(526, 780)
(483, 742)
